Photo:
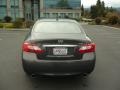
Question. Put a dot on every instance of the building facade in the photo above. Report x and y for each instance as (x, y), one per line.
(70, 4)
(12, 8)
(61, 8)
(34, 9)
(31, 9)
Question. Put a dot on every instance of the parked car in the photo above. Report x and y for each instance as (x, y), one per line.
(58, 47)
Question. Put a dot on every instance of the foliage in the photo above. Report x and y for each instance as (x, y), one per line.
(82, 10)
(94, 11)
(109, 9)
(18, 23)
(28, 24)
(98, 20)
(0, 20)
(6, 25)
(119, 20)
(87, 14)
(7, 19)
(1, 25)
(112, 18)
(98, 10)
(108, 14)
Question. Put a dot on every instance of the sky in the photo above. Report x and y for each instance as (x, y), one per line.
(109, 3)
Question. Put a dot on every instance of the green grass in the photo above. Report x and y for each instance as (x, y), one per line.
(6, 25)
(1, 25)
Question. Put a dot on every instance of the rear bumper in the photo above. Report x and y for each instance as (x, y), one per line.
(57, 67)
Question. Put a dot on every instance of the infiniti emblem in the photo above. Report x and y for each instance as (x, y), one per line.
(60, 41)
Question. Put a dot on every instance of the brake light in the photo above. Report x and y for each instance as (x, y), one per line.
(28, 47)
(87, 48)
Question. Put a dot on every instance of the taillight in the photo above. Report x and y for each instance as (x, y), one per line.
(28, 47)
(87, 48)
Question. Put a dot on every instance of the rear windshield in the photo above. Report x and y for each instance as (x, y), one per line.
(56, 27)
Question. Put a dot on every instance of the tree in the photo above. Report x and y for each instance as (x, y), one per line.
(7, 19)
(111, 9)
(93, 12)
(103, 5)
(98, 10)
(98, 4)
(63, 4)
(82, 10)
(103, 8)
(87, 14)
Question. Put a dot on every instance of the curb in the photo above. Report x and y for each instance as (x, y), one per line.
(112, 27)
(4, 29)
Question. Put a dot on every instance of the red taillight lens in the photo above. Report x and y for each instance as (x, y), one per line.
(28, 47)
(87, 48)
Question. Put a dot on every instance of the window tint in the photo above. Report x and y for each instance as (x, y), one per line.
(56, 27)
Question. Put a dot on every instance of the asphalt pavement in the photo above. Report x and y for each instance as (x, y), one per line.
(106, 75)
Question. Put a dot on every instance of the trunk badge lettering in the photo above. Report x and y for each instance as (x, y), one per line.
(60, 41)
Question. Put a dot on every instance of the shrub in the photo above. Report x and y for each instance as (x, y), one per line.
(98, 20)
(119, 20)
(0, 20)
(1, 25)
(112, 18)
(104, 22)
(8, 25)
(28, 24)
(7, 19)
(18, 23)
(20, 19)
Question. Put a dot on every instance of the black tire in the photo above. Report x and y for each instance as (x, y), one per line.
(26, 68)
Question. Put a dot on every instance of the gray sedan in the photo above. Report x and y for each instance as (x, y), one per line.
(58, 47)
